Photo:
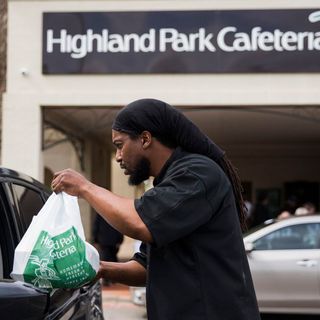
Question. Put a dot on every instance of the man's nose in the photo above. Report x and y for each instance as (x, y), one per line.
(118, 156)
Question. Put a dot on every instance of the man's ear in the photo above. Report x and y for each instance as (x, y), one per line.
(146, 139)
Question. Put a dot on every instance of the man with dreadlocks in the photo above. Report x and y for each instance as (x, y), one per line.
(192, 258)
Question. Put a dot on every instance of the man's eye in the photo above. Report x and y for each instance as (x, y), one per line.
(118, 146)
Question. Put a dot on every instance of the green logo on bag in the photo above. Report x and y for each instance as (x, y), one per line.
(59, 261)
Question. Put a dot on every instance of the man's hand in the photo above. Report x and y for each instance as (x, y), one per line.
(118, 211)
(130, 273)
(70, 182)
(99, 274)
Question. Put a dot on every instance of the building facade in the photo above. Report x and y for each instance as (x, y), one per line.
(245, 71)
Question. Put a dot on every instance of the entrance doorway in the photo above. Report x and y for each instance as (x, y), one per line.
(302, 191)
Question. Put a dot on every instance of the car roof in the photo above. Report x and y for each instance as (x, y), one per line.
(9, 173)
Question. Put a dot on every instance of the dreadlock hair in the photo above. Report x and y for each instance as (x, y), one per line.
(234, 179)
(233, 176)
(172, 129)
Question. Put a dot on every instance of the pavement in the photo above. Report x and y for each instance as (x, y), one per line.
(117, 304)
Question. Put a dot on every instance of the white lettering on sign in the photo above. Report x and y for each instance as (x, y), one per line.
(80, 45)
(228, 39)
(266, 40)
(182, 42)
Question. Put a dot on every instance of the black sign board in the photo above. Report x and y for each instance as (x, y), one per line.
(182, 42)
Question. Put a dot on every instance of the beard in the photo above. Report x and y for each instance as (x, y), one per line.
(140, 173)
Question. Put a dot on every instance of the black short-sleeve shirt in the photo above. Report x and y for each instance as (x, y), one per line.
(196, 266)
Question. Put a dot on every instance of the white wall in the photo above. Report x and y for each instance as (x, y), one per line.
(27, 93)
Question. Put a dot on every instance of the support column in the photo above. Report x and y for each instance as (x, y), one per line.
(22, 135)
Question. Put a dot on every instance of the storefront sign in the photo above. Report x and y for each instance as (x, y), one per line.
(182, 42)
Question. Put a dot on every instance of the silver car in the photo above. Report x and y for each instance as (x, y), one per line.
(284, 259)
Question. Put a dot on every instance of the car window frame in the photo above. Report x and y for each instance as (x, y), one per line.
(281, 228)
(7, 248)
(9, 234)
(12, 207)
(18, 201)
(15, 226)
(11, 192)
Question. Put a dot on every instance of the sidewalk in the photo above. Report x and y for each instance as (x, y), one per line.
(117, 305)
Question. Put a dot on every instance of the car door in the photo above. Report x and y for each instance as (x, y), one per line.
(22, 200)
(285, 267)
(17, 300)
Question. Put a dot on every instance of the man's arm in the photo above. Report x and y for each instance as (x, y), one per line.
(131, 273)
(117, 211)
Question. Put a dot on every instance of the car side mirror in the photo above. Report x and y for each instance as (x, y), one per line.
(20, 301)
(249, 247)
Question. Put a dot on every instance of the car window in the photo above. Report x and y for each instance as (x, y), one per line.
(30, 202)
(1, 264)
(301, 236)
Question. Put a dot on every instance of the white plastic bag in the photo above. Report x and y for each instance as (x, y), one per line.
(53, 252)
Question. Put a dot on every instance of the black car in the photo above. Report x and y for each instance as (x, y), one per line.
(21, 197)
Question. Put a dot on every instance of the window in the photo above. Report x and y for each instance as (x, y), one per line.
(303, 236)
(8, 240)
(30, 202)
(1, 265)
